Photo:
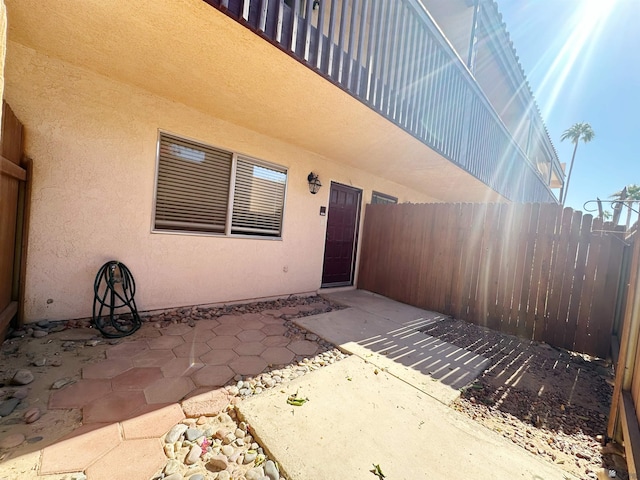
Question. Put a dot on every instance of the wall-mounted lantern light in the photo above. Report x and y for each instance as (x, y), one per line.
(314, 183)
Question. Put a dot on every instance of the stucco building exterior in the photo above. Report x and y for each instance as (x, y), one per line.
(178, 137)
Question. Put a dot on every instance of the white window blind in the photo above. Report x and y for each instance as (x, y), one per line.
(258, 198)
(193, 192)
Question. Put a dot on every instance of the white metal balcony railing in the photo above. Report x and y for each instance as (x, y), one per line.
(390, 55)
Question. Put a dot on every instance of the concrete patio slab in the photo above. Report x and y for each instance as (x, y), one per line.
(375, 334)
(401, 313)
(356, 418)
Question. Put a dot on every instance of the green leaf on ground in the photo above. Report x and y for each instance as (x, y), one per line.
(377, 471)
(296, 401)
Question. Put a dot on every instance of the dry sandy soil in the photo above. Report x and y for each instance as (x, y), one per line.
(551, 402)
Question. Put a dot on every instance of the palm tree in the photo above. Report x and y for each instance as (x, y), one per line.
(579, 131)
(628, 196)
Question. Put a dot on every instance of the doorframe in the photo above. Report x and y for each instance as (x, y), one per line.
(356, 238)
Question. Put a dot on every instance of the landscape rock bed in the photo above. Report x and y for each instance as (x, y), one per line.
(286, 308)
(282, 375)
(215, 447)
(551, 402)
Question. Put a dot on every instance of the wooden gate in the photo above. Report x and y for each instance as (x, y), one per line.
(14, 175)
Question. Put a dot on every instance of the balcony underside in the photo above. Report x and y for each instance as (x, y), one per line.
(191, 53)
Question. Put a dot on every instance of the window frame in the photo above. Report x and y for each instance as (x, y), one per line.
(392, 200)
(235, 156)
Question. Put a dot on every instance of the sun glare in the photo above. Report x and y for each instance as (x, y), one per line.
(569, 54)
(579, 39)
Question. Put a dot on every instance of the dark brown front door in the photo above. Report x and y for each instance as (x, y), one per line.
(342, 235)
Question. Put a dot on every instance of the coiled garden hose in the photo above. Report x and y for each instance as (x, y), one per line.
(114, 289)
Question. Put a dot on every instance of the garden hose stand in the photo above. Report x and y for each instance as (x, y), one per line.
(114, 289)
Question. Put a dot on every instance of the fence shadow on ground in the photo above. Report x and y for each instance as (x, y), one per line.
(445, 362)
(546, 387)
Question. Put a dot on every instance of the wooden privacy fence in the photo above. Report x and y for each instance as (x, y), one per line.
(532, 270)
(15, 172)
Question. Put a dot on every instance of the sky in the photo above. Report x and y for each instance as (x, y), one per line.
(582, 60)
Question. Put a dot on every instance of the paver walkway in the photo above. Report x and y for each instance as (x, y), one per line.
(130, 399)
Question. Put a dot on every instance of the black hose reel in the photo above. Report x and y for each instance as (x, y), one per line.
(114, 290)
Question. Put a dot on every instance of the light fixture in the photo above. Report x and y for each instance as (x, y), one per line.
(314, 183)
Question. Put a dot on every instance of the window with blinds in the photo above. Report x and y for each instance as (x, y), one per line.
(383, 198)
(205, 189)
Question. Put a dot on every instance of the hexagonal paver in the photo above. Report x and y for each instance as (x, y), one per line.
(136, 379)
(165, 342)
(140, 458)
(79, 394)
(251, 316)
(107, 368)
(269, 320)
(253, 324)
(76, 451)
(176, 329)
(127, 349)
(227, 329)
(147, 330)
(191, 350)
(289, 310)
(251, 336)
(247, 365)
(114, 407)
(218, 357)
(250, 348)
(205, 401)
(181, 367)
(168, 390)
(276, 341)
(274, 329)
(198, 336)
(153, 421)
(303, 347)
(224, 341)
(277, 355)
(206, 324)
(153, 358)
(228, 319)
(213, 376)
